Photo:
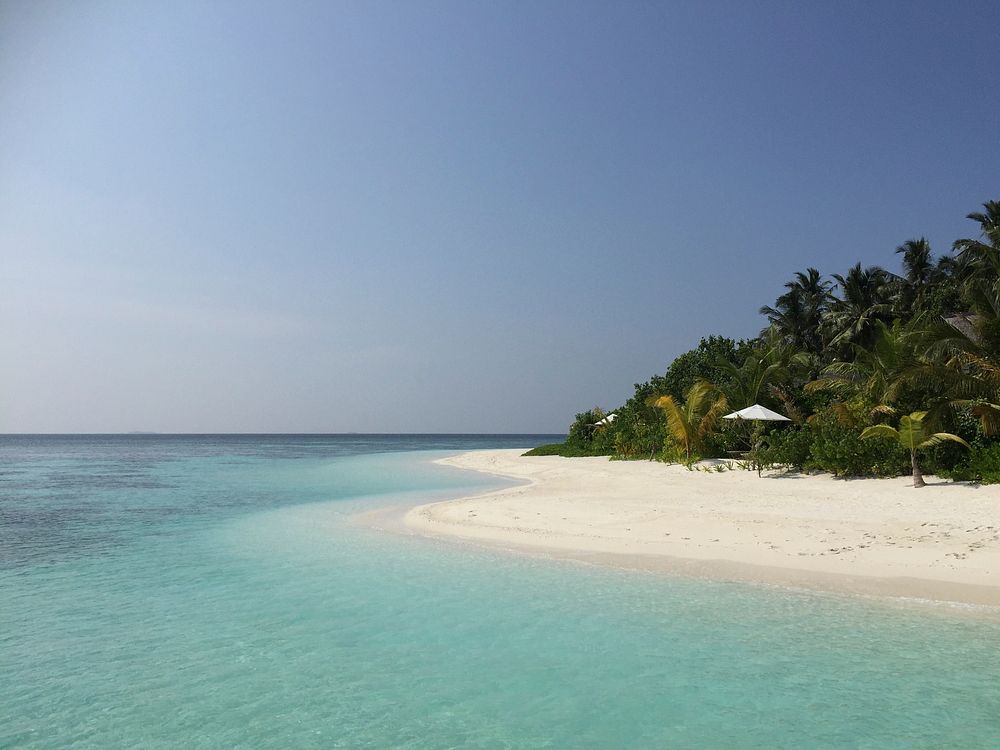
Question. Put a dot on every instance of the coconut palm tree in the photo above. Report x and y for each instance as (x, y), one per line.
(918, 273)
(689, 423)
(965, 357)
(798, 312)
(989, 222)
(918, 263)
(789, 316)
(913, 435)
(879, 373)
(979, 259)
(970, 348)
(865, 297)
(771, 362)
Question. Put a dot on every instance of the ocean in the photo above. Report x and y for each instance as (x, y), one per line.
(219, 592)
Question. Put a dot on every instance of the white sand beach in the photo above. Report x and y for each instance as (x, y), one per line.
(865, 536)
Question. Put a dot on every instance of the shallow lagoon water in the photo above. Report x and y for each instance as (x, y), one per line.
(217, 593)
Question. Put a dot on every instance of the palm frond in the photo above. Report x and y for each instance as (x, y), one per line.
(880, 430)
(941, 437)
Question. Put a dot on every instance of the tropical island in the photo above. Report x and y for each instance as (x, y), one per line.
(873, 369)
(871, 381)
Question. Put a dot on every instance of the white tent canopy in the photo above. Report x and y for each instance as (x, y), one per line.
(606, 421)
(758, 412)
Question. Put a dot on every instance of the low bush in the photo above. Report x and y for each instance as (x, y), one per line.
(673, 453)
(947, 457)
(983, 465)
(634, 438)
(839, 449)
(790, 447)
(565, 450)
(586, 438)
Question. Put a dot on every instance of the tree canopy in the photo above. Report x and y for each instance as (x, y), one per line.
(842, 355)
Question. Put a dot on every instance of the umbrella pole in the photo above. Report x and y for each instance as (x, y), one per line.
(757, 440)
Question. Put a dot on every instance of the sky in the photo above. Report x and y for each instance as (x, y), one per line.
(449, 216)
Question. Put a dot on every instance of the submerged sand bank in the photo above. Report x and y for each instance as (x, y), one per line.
(870, 536)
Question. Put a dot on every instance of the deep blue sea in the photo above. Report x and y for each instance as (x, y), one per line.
(217, 592)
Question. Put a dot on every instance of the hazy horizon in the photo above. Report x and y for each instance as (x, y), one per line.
(144, 433)
(446, 217)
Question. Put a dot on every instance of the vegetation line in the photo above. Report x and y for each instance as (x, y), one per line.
(844, 358)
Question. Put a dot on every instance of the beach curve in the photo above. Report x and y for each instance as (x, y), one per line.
(876, 537)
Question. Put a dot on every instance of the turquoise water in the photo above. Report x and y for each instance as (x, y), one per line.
(216, 593)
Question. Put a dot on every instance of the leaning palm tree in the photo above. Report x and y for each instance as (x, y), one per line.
(694, 420)
(914, 436)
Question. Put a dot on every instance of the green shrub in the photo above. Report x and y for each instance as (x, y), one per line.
(839, 449)
(635, 438)
(673, 453)
(586, 437)
(789, 447)
(983, 465)
(949, 457)
(566, 450)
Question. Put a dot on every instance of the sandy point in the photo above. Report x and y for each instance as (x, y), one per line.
(876, 537)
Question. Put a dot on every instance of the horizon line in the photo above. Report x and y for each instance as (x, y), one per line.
(256, 434)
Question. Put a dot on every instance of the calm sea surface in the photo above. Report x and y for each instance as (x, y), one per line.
(213, 592)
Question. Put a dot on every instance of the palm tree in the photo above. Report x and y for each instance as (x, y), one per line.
(980, 258)
(694, 420)
(918, 272)
(879, 373)
(918, 264)
(914, 436)
(965, 357)
(789, 316)
(970, 352)
(798, 312)
(989, 222)
(986, 375)
(865, 297)
(770, 362)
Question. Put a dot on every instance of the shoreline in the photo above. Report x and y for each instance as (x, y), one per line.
(863, 537)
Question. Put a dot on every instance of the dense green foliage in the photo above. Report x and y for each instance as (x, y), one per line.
(791, 448)
(558, 449)
(983, 465)
(840, 450)
(589, 435)
(914, 436)
(690, 422)
(842, 354)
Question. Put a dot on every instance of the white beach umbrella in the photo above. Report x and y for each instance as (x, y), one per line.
(758, 412)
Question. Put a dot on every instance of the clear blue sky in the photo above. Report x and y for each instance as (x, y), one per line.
(449, 216)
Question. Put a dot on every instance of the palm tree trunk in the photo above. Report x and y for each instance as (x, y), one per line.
(918, 478)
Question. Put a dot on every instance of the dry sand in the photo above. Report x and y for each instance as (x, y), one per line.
(866, 536)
